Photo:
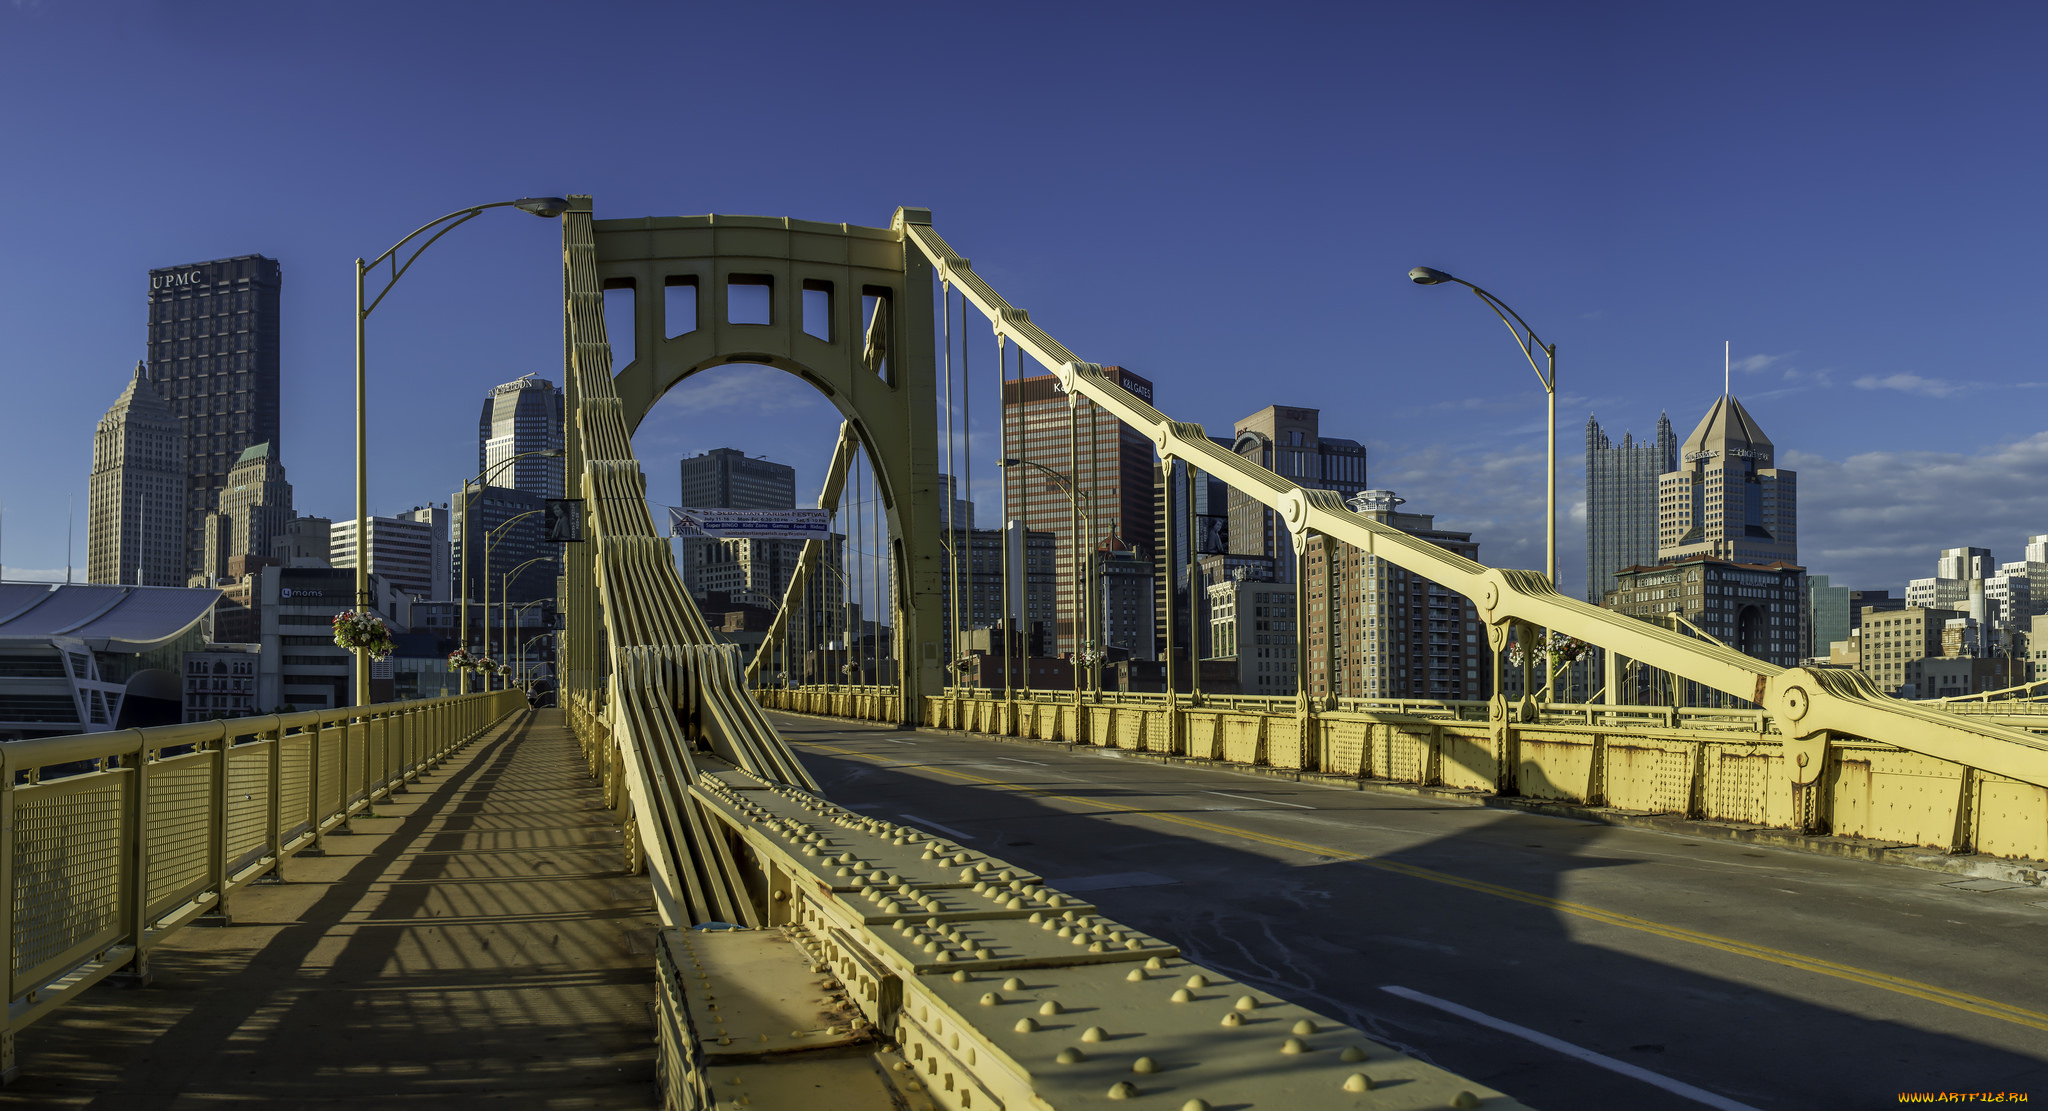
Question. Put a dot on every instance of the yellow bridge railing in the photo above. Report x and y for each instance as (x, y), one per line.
(115, 840)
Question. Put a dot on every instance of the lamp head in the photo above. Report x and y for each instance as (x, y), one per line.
(549, 207)
(1010, 462)
(1423, 275)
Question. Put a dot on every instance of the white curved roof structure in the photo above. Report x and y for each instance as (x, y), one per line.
(108, 618)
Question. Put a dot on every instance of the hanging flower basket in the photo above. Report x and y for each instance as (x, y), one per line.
(1562, 651)
(460, 659)
(362, 632)
(485, 665)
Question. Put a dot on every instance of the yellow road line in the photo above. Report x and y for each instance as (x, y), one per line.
(1963, 1001)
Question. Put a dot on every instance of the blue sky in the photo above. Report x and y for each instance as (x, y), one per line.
(1224, 199)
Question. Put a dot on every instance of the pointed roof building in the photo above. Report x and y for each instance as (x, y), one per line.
(1727, 500)
(135, 518)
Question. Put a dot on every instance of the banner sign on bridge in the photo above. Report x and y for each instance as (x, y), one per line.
(751, 524)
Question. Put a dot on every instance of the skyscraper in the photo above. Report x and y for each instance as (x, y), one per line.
(1621, 501)
(1289, 442)
(135, 531)
(213, 357)
(1114, 483)
(255, 507)
(1725, 499)
(725, 478)
(521, 416)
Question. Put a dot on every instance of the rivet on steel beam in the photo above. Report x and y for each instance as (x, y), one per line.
(988, 998)
(1013, 984)
(1095, 1034)
(1183, 995)
(1358, 1082)
(1233, 1019)
(1135, 975)
(1352, 1053)
(1305, 1027)
(1247, 1003)
(962, 976)
(1026, 1025)
(1144, 1064)
(1198, 981)
(1036, 917)
(1154, 963)
(1069, 1056)
(1123, 1089)
(1050, 1007)
(945, 957)
(1464, 1101)
(1294, 1046)
(1195, 1105)
(1096, 946)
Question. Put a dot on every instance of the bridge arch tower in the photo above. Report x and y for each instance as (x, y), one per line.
(848, 309)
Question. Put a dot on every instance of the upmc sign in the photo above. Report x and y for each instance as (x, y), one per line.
(177, 279)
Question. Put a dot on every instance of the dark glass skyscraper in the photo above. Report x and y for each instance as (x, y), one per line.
(213, 356)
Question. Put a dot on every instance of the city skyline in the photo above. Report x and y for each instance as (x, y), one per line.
(1636, 255)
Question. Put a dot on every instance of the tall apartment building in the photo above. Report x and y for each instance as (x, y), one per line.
(1193, 513)
(255, 508)
(1621, 500)
(135, 530)
(1032, 556)
(1288, 441)
(1123, 602)
(213, 356)
(403, 552)
(1376, 630)
(438, 519)
(1114, 483)
(520, 416)
(726, 478)
(1727, 500)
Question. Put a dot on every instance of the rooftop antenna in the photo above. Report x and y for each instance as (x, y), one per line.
(1724, 368)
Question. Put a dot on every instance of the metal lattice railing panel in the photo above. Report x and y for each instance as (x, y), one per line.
(248, 803)
(295, 792)
(180, 790)
(67, 871)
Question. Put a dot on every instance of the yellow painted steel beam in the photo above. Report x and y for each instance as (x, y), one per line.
(1809, 703)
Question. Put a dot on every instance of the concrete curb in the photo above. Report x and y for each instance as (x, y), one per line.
(1969, 865)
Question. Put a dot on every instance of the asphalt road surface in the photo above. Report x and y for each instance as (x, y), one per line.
(1571, 964)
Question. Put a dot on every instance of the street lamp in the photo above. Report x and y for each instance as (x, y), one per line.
(1530, 345)
(1084, 640)
(492, 538)
(547, 207)
(507, 613)
(481, 483)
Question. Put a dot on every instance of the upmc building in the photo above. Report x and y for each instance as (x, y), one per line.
(213, 344)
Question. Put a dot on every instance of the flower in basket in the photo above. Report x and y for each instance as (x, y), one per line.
(459, 659)
(362, 632)
(485, 665)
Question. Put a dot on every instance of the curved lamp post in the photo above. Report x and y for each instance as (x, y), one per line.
(1525, 338)
(547, 207)
(468, 499)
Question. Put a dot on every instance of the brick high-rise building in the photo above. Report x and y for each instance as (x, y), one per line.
(213, 357)
(1376, 630)
(135, 520)
(1115, 473)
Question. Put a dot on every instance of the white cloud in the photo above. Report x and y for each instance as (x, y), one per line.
(1912, 383)
(1753, 364)
(1876, 519)
(43, 574)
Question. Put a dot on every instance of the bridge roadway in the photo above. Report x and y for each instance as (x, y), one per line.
(1651, 963)
(475, 942)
